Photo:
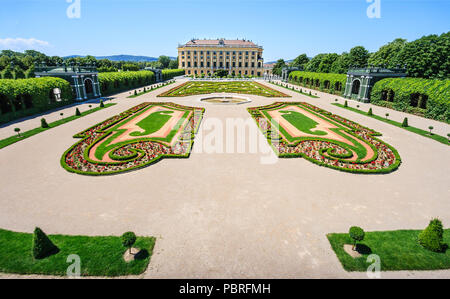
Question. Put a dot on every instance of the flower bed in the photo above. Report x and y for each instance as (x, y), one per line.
(206, 87)
(132, 152)
(347, 146)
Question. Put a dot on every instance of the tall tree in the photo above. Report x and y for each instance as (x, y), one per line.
(278, 67)
(326, 62)
(164, 60)
(341, 64)
(388, 54)
(359, 56)
(300, 61)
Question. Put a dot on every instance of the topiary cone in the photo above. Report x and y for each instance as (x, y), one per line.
(42, 245)
(431, 238)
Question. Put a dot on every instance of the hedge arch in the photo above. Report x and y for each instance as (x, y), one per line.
(435, 94)
(327, 82)
(24, 97)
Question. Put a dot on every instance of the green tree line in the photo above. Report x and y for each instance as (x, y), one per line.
(426, 57)
(17, 65)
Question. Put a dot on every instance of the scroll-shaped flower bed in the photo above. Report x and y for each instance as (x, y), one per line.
(135, 138)
(303, 130)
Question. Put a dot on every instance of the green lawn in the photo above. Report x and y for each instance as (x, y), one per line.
(424, 133)
(153, 123)
(302, 122)
(207, 87)
(148, 90)
(15, 138)
(298, 91)
(100, 256)
(398, 250)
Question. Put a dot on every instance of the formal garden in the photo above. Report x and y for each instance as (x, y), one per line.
(205, 87)
(134, 139)
(303, 130)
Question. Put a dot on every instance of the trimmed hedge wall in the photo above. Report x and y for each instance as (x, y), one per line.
(332, 83)
(169, 74)
(24, 97)
(115, 82)
(425, 97)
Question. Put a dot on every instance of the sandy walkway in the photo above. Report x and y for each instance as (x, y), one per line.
(228, 215)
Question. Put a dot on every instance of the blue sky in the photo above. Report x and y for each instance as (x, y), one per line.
(285, 28)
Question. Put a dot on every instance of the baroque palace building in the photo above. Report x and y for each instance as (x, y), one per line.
(238, 57)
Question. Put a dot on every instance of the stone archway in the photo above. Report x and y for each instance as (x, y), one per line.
(356, 86)
(88, 87)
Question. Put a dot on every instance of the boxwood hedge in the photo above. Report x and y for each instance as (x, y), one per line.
(113, 82)
(332, 83)
(24, 97)
(426, 97)
(169, 74)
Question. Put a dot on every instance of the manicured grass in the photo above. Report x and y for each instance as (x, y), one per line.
(302, 122)
(149, 90)
(398, 250)
(153, 123)
(100, 256)
(424, 133)
(207, 87)
(298, 91)
(15, 138)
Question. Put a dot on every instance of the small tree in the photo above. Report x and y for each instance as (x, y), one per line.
(405, 122)
(77, 112)
(370, 113)
(357, 106)
(90, 106)
(336, 100)
(135, 92)
(17, 130)
(430, 128)
(448, 135)
(44, 123)
(357, 234)
(431, 237)
(345, 104)
(387, 115)
(42, 245)
(101, 104)
(61, 114)
(128, 240)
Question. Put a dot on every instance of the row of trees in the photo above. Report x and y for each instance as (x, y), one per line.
(426, 57)
(16, 65)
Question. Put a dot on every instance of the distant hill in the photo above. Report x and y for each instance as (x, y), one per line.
(131, 58)
(287, 61)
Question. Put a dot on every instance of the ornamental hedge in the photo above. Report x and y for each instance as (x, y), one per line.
(425, 97)
(114, 82)
(169, 74)
(332, 83)
(24, 97)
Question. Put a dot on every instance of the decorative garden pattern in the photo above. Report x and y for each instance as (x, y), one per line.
(302, 130)
(135, 138)
(205, 87)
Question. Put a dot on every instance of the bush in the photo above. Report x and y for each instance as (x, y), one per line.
(333, 83)
(405, 122)
(438, 92)
(101, 104)
(345, 104)
(24, 97)
(44, 123)
(370, 112)
(128, 240)
(120, 81)
(42, 245)
(77, 112)
(357, 234)
(431, 238)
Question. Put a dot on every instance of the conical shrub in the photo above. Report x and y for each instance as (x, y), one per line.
(77, 112)
(432, 237)
(405, 122)
(42, 246)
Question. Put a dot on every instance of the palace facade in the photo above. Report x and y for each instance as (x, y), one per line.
(238, 57)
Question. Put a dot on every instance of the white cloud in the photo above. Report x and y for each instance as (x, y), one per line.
(22, 44)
